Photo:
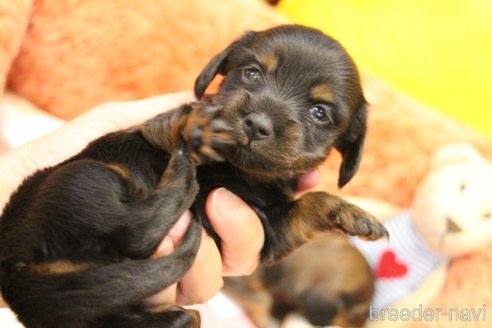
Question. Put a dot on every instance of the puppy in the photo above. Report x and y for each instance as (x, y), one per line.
(336, 290)
(75, 238)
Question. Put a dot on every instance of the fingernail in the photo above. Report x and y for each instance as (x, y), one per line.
(165, 248)
(225, 203)
(182, 225)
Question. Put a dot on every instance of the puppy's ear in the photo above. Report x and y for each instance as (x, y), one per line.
(218, 64)
(214, 67)
(351, 143)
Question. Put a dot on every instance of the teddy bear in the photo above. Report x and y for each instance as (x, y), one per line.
(450, 217)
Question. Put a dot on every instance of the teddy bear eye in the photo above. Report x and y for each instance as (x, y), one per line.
(462, 187)
(487, 215)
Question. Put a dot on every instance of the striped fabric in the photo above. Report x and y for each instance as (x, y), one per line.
(401, 264)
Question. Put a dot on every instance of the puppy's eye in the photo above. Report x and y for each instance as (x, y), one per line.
(252, 74)
(319, 112)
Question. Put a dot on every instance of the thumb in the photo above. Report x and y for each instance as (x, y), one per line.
(239, 229)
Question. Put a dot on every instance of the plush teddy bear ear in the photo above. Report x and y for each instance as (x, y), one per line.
(455, 152)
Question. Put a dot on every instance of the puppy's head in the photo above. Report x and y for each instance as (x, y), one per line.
(290, 94)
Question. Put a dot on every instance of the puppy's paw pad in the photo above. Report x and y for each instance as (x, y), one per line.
(205, 133)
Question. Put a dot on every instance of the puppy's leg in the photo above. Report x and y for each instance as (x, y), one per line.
(151, 216)
(194, 132)
(313, 213)
(195, 128)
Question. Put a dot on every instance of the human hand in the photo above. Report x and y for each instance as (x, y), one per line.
(242, 238)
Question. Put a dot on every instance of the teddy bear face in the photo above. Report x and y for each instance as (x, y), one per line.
(453, 206)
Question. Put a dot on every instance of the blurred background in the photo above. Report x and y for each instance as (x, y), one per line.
(439, 52)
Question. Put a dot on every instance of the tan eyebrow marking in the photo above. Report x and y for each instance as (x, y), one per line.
(268, 61)
(322, 92)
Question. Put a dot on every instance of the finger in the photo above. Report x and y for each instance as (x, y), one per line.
(204, 279)
(2, 302)
(174, 236)
(308, 180)
(239, 229)
(166, 247)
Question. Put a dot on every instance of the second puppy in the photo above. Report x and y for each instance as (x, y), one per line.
(327, 281)
(75, 238)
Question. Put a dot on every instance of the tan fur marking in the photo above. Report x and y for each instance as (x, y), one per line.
(121, 170)
(60, 267)
(322, 92)
(268, 61)
(172, 307)
(165, 308)
(163, 130)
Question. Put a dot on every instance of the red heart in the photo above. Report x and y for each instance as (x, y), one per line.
(390, 267)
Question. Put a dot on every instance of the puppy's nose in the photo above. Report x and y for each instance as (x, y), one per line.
(258, 126)
(452, 226)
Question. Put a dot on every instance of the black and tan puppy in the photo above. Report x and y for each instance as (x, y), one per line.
(327, 281)
(75, 238)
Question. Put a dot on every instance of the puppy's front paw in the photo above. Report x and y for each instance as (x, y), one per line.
(205, 134)
(354, 221)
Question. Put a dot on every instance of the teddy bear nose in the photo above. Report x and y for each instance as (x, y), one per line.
(257, 126)
(451, 225)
